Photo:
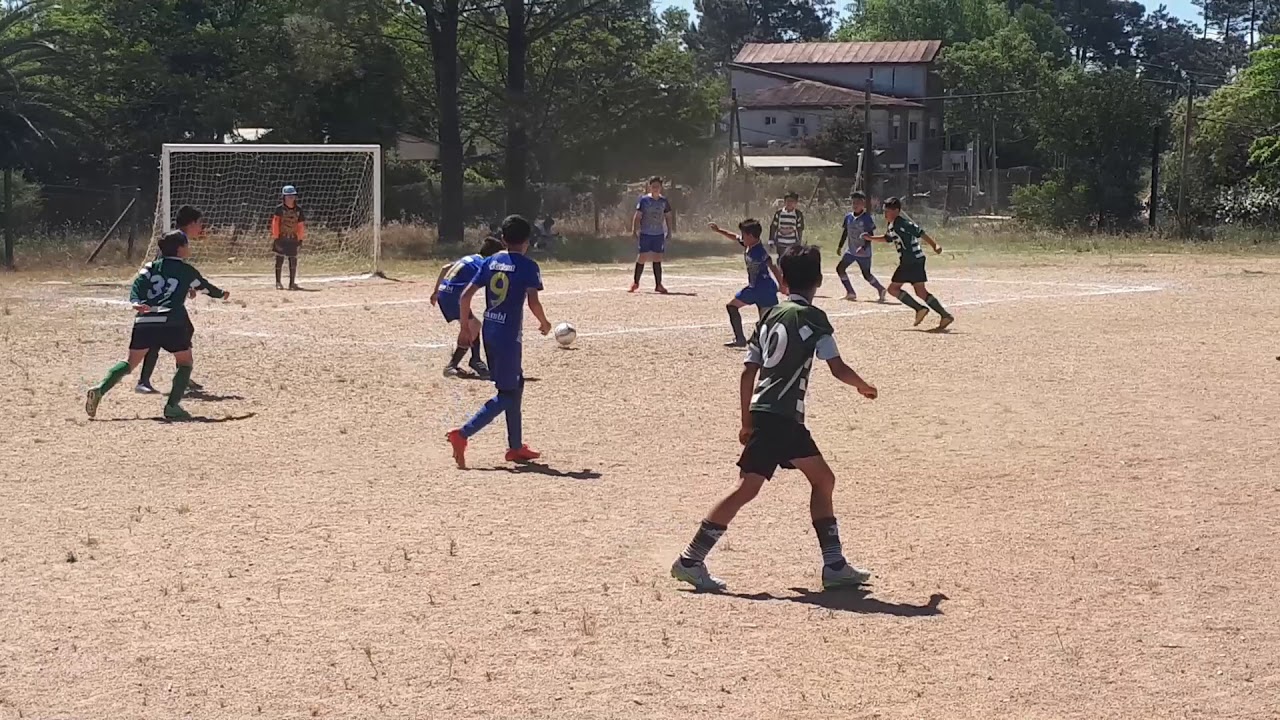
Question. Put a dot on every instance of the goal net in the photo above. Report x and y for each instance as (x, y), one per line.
(238, 187)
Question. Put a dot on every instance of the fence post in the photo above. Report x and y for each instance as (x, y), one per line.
(8, 218)
(1186, 144)
(1154, 201)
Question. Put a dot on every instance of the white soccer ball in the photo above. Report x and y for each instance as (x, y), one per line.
(565, 334)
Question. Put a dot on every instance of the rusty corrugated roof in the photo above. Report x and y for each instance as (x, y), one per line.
(839, 53)
(808, 93)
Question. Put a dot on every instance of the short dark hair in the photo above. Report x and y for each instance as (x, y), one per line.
(857, 195)
(752, 227)
(187, 215)
(171, 241)
(893, 202)
(801, 267)
(654, 179)
(490, 246)
(516, 230)
(791, 195)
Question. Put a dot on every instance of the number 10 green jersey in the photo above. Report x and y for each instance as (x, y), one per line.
(784, 344)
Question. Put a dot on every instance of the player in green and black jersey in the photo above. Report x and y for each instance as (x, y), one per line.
(773, 390)
(906, 236)
(191, 222)
(159, 296)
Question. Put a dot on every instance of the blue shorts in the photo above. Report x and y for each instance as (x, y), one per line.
(505, 357)
(765, 296)
(449, 306)
(652, 244)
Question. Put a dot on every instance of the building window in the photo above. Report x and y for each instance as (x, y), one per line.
(770, 120)
(955, 166)
(797, 120)
(895, 132)
(933, 127)
(913, 131)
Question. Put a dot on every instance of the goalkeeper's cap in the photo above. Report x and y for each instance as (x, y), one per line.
(289, 190)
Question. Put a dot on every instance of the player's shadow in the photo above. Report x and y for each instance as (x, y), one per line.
(673, 293)
(851, 600)
(206, 396)
(306, 289)
(931, 331)
(532, 468)
(194, 419)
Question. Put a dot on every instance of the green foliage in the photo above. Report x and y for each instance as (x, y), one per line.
(952, 21)
(724, 26)
(30, 111)
(1100, 123)
(840, 140)
(1054, 203)
(1005, 62)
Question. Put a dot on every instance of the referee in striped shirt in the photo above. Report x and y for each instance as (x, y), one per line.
(787, 228)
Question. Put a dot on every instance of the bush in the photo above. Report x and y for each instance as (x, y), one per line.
(1053, 204)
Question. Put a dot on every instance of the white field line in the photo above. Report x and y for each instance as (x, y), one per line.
(659, 329)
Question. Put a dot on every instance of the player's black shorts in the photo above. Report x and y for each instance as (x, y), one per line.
(285, 247)
(173, 338)
(775, 441)
(910, 272)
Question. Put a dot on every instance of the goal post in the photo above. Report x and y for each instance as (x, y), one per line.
(238, 187)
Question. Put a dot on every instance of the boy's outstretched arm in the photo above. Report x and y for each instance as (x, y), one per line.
(847, 375)
(209, 288)
(435, 294)
(535, 307)
(718, 230)
(746, 388)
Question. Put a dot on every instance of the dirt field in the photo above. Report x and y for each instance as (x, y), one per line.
(1071, 505)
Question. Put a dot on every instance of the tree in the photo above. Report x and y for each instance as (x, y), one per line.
(1101, 31)
(952, 21)
(1168, 49)
(1100, 122)
(1003, 70)
(724, 26)
(840, 139)
(31, 112)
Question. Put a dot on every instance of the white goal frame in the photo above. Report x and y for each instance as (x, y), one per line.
(164, 202)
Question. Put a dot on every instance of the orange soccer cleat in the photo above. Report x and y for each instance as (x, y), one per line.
(459, 445)
(522, 454)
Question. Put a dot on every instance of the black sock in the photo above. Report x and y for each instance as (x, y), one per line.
(657, 273)
(475, 350)
(905, 298)
(735, 321)
(279, 264)
(639, 272)
(933, 302)
(701, 544)
(148, 366)
(829, 541)
(293, 271)
(458, 352)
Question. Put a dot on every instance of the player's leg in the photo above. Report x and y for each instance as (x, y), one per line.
(642, 256)
(293, 265)
(933, 302)
(758, 462)
(842, 269)
(836, 571)
(192, 385)
(864, 264)
(148, 367)
(181, 376)
(517, 450)
(117, 372)
(657, 249)
(734, 307)
(477, 363)
(905, 274)
(279, 267)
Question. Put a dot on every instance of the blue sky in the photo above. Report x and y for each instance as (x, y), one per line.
(1182, 8)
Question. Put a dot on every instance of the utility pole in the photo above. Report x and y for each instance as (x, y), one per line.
(1186, 145)
(995, 167)
(742, 163)
(868, 143)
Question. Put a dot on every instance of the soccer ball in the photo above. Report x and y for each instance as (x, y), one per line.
(565, 334)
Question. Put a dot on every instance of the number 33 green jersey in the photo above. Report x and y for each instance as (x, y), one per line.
(162, 285)
(784, 344)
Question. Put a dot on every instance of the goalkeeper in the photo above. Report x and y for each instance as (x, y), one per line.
(288, 230)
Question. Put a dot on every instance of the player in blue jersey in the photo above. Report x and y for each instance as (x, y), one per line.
(453, 279)
(509, 279)
(761, 290)
(652, 224)
(858, 227)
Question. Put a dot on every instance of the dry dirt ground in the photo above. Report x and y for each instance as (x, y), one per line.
(1070, 504)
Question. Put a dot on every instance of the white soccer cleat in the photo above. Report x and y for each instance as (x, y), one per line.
(847, 576)
(851, 297)
(698, 576)
(145, 389)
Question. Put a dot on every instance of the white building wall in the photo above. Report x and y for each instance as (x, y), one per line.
(900, 80)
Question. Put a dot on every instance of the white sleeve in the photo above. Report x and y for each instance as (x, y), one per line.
(826, 348)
